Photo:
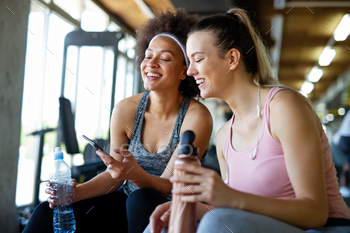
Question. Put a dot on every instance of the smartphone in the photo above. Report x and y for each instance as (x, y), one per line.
(94, 144)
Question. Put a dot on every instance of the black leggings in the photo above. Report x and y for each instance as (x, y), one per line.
(114, 212)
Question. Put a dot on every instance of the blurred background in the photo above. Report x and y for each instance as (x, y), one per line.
(83, 51)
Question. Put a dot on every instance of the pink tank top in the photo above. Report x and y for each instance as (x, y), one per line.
(267, 175)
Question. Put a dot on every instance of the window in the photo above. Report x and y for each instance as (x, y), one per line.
(88, 84)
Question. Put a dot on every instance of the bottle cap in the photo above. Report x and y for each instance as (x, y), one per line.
(186, 147)
(58, 153)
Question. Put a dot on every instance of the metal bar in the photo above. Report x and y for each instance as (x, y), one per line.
(145, 9)
(76, 81)
(38, 170)
(114, 81)
(53, 7)
(64, 67)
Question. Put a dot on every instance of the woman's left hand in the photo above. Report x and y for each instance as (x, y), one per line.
(124, 170)
(203, 184)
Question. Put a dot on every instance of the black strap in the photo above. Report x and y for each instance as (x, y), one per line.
(231, 15)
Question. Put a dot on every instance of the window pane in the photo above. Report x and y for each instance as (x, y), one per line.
(93, 18)
(129, 82)
(71, 74)
(58, 29)
(93, 94)
(31, 106)
(113, 27)
(72, 7)
(120, 84)
(42, 80)
(107, 91)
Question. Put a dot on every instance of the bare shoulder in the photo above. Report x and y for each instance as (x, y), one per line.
(127, 105)
(290, 109)
(199, 120)
(289, 101)
(198, 110)
(197, 115)
(124, 112)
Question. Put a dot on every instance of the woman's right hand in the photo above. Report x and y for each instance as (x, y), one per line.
(52, 193)
(160, 217)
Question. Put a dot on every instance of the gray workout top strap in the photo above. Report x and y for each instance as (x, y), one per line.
(154, 164)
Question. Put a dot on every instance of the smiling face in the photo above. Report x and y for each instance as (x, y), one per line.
(163, 67)
(206, 66)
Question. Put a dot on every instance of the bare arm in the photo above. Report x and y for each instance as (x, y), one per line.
(104, 183)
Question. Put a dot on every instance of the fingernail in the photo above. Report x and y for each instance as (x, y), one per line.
(177, 162)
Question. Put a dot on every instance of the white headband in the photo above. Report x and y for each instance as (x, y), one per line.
(176, 40)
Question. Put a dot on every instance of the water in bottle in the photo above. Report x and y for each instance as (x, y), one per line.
(60, 178)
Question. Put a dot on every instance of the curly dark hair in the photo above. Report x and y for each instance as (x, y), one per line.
(176, 22)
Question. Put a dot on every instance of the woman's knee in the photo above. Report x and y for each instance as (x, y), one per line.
(42, 209)
(213, 219)
(40, 220)
(224, 219)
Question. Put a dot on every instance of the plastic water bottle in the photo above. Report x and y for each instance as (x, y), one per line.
(183, 215)
(60, 178)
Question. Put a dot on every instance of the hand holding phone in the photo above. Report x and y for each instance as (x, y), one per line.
(94, 144)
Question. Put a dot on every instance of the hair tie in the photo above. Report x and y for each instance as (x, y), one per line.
(231, 15)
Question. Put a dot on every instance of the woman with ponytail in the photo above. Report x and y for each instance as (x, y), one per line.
(275, 161)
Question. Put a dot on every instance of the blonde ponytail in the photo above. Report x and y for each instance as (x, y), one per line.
(263, 76)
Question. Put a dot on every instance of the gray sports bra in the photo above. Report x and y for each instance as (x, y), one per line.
(154, 164)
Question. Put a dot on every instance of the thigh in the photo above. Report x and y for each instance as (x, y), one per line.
(239, 221)
(96, 214)
(41, 220)
(139, 207)
(105, 213)
(148, 230)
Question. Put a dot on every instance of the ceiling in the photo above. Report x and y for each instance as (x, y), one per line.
(297, 38)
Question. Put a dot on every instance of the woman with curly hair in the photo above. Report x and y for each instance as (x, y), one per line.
(145, 130)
